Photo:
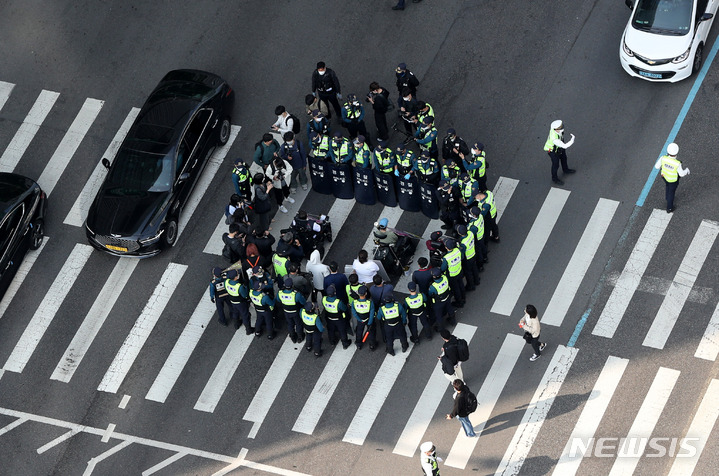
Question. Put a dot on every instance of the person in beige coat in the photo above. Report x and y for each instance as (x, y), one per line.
(530, 324)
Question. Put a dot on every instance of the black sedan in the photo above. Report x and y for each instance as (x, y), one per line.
(137, 209)
(23, 206)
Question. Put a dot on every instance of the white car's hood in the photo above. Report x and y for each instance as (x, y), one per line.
(654, 46)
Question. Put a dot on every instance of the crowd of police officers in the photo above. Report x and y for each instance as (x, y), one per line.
(272, 281)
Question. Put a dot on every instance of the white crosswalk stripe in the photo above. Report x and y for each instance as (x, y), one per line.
(20, 276)
(708, 348)
(5, 91)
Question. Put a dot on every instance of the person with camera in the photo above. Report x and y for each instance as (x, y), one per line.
(379, 98)
(280, 171)
(261, 205)
(408, 110)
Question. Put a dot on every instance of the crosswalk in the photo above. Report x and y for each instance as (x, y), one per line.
(377, 389)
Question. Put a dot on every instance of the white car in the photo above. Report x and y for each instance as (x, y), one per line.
(664, 39)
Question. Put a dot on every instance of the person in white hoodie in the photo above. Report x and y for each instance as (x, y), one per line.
(280, 171)
(319, 271)
(530, 324)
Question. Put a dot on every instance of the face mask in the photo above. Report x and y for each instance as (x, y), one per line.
(407, 98)
(475, 152)
(321, 72)
(291, 143)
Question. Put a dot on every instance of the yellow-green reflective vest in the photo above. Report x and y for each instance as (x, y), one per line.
(344, 149)
(479, 224)
(467, 188)
(468, 242)
(362, 155)
(670, 168)
(479, 171)
(454, 262)
(442, 288)
(280, 265)
(323, 147)
(415, 304)
(233, 290)
(352, 112)
(256, 298)
(492, 206)
(308, 321)
(352, 288)
(391, 314)
(242, 173)
(362, 308)
(384, 159)
(549, 145)
(331, 308)
(288, 300)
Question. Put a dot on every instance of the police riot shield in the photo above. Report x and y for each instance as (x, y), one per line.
(364, 186)
(342, 181)
(408, 194)
(428, 199)
(385, 189)
(321, 176)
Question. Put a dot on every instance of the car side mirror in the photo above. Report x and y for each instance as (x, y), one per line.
(184, 177)
(106, 163)
(630, 4)
(706, 16)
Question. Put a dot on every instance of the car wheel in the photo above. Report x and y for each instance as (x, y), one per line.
(698, 58)
(225, 131)
(38, 234)
(170, 236)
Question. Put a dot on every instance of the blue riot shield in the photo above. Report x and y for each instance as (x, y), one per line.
(342, 181)
(408, 195)
(385, 189)
(428, 200)
(364, 186)
(321, 176)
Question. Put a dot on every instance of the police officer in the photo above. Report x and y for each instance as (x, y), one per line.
(241, 179)
(489, 212)
(363, 311)
(467, 245)
(672, 170)
(408, 109)
(326, 86)
(451, 173)
(266, 284)
(238, 296)
(448, 199)
(218, 294)
(406, 80)
(439, 295)
(476, 165)
(416, 308)
(427, 168)
(353, 117)
(341, 149)
(319, 146)
(362, 153)
(352, 289)
(426, 137)
(476, 226)
(557, 150)
(264, 307)
(404, 161)
(454, 147)
(383, 158)
(452, 265)
(335, 313)
(313, 328)
(436, 248)
(279, 263)
(318, 124)
(424, 110)
(468, 188)
(291, 301)
(393, 317)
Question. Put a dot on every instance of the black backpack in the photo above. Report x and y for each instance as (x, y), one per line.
(296, 127)
(462, 350)
(471, 402)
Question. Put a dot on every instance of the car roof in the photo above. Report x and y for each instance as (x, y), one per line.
(13, 189)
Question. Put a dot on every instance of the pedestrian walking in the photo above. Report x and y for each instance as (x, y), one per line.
(557, 150)
(532, 328)
(313, 329)
(428, 459)
(293, 151)
(326, 86)
(465, 402)
(379, 98)
(671, 170)
(451, 365)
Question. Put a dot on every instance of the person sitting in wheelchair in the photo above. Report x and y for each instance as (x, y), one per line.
(384, 236)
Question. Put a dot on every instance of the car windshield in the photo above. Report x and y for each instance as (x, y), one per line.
(136, 172)
(664, 17)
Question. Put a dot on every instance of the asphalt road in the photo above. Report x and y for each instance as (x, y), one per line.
(498, 72)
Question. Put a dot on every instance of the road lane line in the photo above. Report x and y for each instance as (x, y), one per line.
(425, 408)
(69, 144)
(5, 91)
(163, 464)
(324, 389)
(578, 265)
(13, 425)
(487, 398)
(699, 430)
(49, 306)
(78, 213)
(108, 433)
(591, 415)
(632, 449)
(270, 387)
(20, 276)
(124, 401)
(709, 345)
(631, 276)
(27, 130)
(97, 459)
(529, 254)
(94, 319)
(181, 352)
(142, 328)
(223, 373)
(682, 285)
(57, 441)
(537, 411)
(503, 191)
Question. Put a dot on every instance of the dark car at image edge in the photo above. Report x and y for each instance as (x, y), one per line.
(185, 118)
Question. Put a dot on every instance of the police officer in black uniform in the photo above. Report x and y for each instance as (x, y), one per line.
(291, 302)
(326, 86)
(218, 294)
(448, 199)
(454, 147)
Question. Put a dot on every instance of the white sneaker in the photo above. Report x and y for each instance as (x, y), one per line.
(541, 347)
(293, 190)
(290, 199)
(283, 209)
(533, 357)
(304, 186)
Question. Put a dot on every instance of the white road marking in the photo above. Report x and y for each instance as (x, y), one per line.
(20, 276)
(36, 328)
(529, 254)
(102, 456)
(428, 402)
(631, 276)
(5, 90)
(203, 183)
(78, 213)
(656, 285)
(181, 352)
(69, 144)
(13, 425)
(579, 263)
(223, 373)
(592, 414)
(709, 345)
(629, 454)
(215, 245)
(27, 130)
(144, 325)
(57, 441)
(94, 319)
(338, 214)
(487, 398)
(108, 433)
(324, 389)
(124, 401)
(700, 429)
(683, 282)
(163, 464)
(537, 411)
(503, 191)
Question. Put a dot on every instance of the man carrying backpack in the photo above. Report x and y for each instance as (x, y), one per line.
(454, 352)
(465, 402)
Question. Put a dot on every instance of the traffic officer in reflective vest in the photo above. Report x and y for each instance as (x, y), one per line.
(671, 170)
(468, 189)
(363, 310)
(259, 275)
(424, 110)
(241, 179)
(392, 315)
(476, 165)
(264, 306)
(353, 116)
(452, 264)
(313, 328)
(319, 146)
(362, 154)
(428, 459)
(341, 149)
(238, 296)
(489, 212)
(451, 173)
(416, 308)
(439, 295)
(352, 289)
(476, 226)
(335, 312)
(557, 150)
(279, 263)
(404, 160)
(427, 168)
(467, 244)
(426, 137)
(291, 301)
(383, 158)
(218, 294)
